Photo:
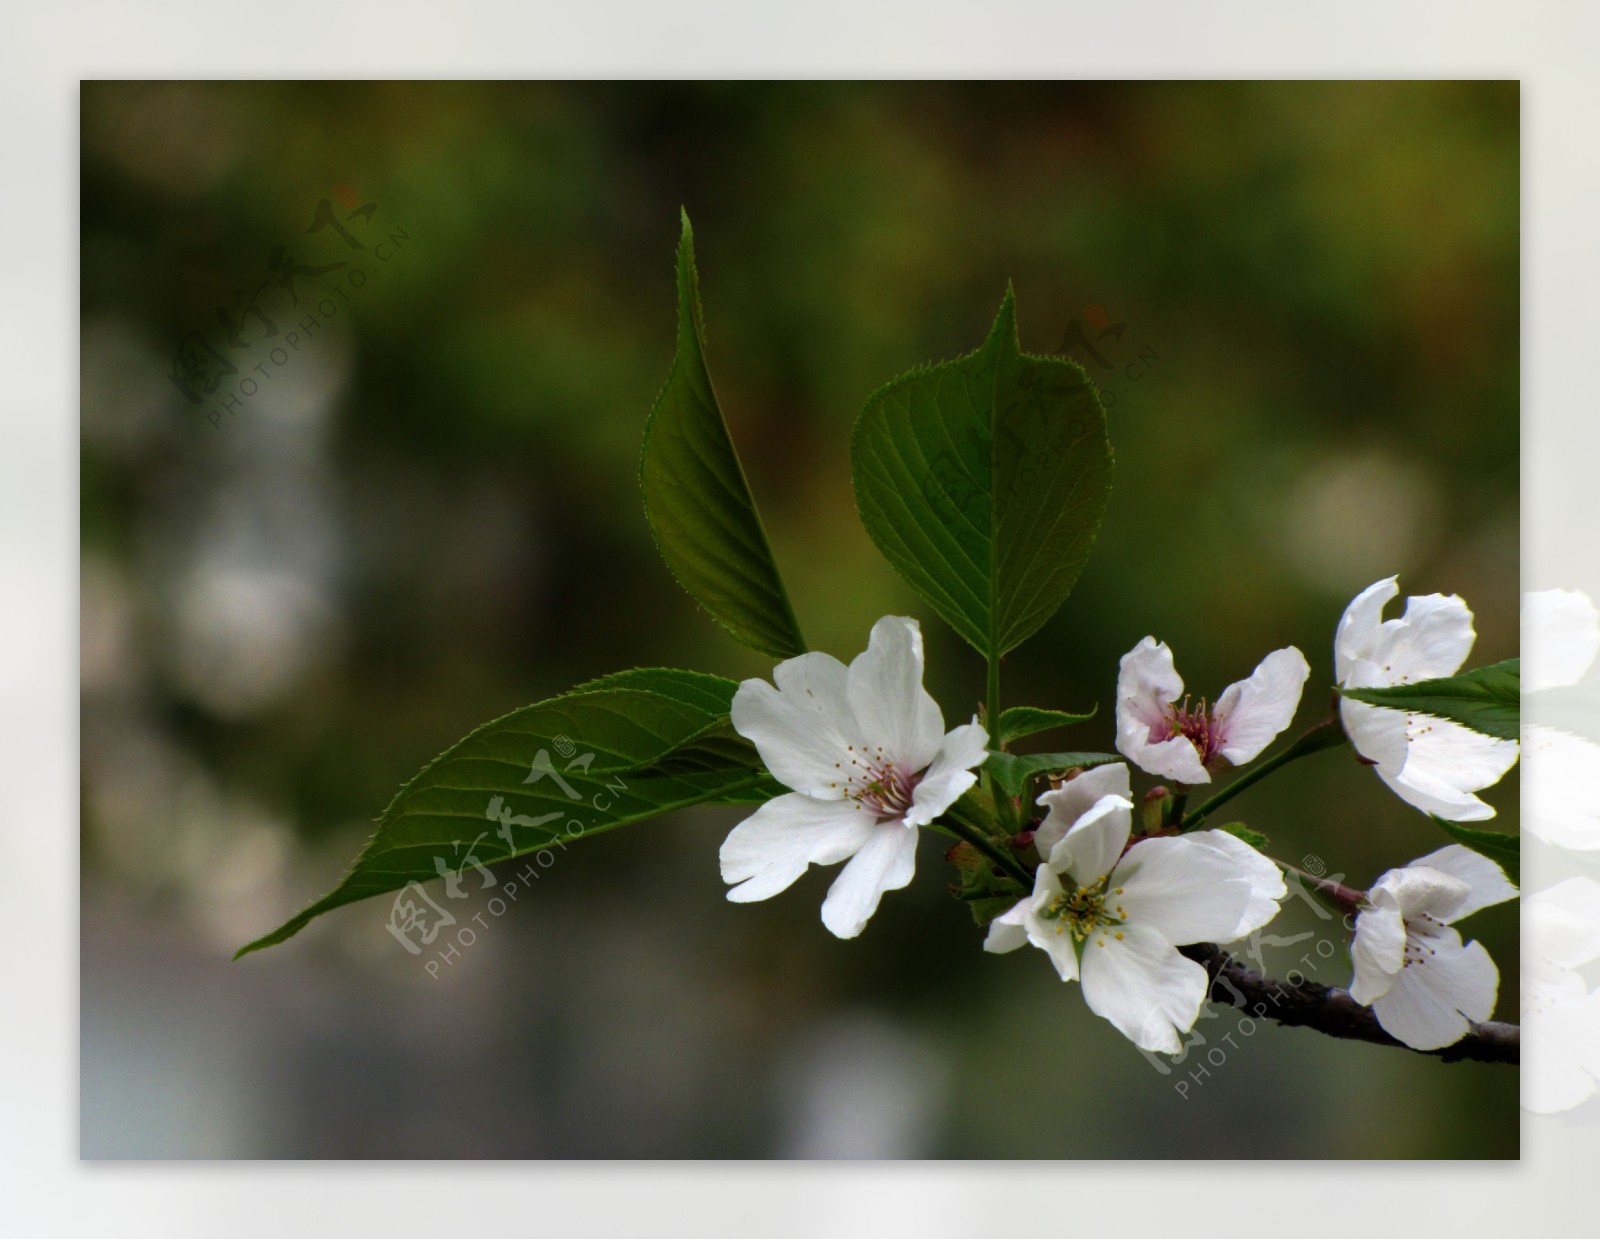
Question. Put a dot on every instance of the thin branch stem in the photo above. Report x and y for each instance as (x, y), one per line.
(1334, 1012)
(1347, 898)
(992, 707)
(993, 851)
(1324, 735)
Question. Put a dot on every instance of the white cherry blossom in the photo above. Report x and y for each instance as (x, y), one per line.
(1560, 642)
(1560, 1013)
(1168, 737)
(865, 751)
(1411, 968)
(1433, 764)
(1113, 916)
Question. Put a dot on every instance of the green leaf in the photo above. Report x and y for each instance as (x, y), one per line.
(1012, 771)
(983, 480)
(1017, 722)
(615, 751)
(1253, 838)
(1504, 850)
(697, 500)
(1486, 699)
(986, 890)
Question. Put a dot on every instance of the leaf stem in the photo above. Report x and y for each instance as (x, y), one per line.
(1324, 735)
(992, 709)
(1347, 898)
(993, 851)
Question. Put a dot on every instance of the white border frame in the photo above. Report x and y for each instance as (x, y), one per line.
(44, 1190)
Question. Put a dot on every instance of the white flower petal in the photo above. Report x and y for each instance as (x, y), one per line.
(1563, 922)
(1147, 683)
(950, 774)
(886, 862)
(1358, 627)
(1432, 797)
(1185, 891)
(1419, 890)
(1048, 935)
(1432, 639)
(1486, 882)
(1433, 764)
(1561, 1040)
(1583, 1029)
(1561, 800)
(766, 852)
(1137, 980)
(1363, 674)
(1560, 638)
(1053, 938)
(1068, 803)
(1267, 887)
(1091, 847)
(1553, 1076)
(1252, 712)
(1378, 949)
(1435, 996)
(884, 686)
(1176, 759)
(802, 727)
(1008, 931)
(1445, 764)
(1377, 733)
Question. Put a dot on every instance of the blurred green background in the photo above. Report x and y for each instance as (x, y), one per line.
(1304, 302)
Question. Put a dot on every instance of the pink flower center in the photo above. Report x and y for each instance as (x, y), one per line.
(877, 784)
(1194, 724)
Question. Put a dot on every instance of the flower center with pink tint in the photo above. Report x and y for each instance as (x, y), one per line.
(877, 784)
(1196, 725)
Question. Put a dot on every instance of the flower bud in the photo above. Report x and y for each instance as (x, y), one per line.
(1155, 810)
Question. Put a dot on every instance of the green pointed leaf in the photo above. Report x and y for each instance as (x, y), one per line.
(1017, 722)
(697, 500)
(1253, 838)
(615, 751)
(1504, 850)
(1012, 771)
(983, 480)
(1486, 699)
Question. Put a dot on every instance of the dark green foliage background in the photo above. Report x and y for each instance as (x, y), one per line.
(1315, 385)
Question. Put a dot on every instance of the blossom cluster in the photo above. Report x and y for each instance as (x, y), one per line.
(1116, 894)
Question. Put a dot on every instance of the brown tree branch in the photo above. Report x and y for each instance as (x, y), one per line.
(1333, 1011)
